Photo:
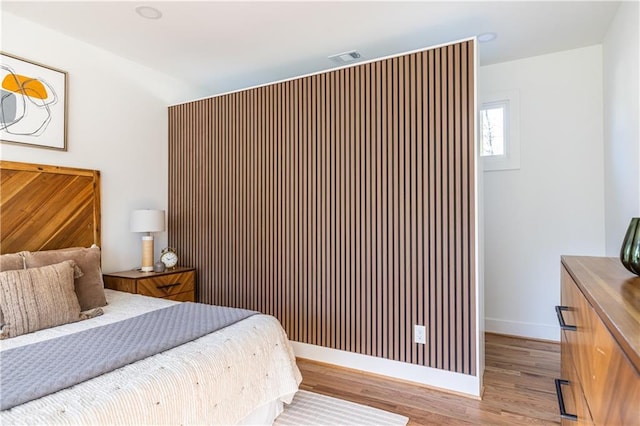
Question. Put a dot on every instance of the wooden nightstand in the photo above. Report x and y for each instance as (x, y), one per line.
(175, 284)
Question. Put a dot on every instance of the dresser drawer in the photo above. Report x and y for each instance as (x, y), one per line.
(579, 342)
(574, 400)
(167, 286)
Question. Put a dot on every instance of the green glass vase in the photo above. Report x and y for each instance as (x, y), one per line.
(630, 252)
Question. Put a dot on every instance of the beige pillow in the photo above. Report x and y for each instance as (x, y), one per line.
(11, 261)
(38, 298)
(90, 287)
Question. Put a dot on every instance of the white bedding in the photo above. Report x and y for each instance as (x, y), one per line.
(220, 378)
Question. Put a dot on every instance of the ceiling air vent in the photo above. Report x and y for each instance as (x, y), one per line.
(345, 58)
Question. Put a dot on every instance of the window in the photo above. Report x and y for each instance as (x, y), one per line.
(494, 118)
(499, 142)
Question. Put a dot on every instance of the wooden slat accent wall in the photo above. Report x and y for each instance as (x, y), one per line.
(342, 203)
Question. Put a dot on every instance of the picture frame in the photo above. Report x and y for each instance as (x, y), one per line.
(33, 105)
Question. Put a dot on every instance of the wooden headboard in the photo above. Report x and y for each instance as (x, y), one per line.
(48, 207)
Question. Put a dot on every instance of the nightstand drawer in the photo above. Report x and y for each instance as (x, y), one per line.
(167, 285)
(176, 284)
(183, 297)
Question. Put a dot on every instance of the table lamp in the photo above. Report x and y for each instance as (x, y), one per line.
(147, 221)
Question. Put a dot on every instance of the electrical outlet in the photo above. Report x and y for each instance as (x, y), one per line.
(420, 334)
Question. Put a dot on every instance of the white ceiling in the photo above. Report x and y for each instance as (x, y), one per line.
(224, 46)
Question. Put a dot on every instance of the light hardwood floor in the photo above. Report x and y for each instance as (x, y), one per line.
(518, 380)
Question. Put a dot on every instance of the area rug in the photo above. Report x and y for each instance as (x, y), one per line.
(313, 409)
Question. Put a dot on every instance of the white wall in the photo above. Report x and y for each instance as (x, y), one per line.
(117, 123)
(621, 117)
(552, 205)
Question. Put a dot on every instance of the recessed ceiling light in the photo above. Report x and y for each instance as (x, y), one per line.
(343, 58)
(487, 37)
(148, 12)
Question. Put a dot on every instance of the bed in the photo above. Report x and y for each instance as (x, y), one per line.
(241, 374)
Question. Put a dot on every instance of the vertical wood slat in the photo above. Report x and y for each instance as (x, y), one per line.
(342, 203)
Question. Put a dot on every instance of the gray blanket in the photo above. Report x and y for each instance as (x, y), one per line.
(33, 371)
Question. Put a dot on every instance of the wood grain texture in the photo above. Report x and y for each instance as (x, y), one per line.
(178, 284)
(605, 374)
(574, 400)
(48, 207)
(614, 294)
(518, 388)
(342, 203)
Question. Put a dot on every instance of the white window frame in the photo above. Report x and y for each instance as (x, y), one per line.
(510, 160)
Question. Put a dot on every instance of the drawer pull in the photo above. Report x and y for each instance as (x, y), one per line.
(168, 285)
(564, 325)
(563, 411)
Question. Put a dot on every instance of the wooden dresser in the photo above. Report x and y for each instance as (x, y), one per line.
(600, 362)
(175, 284)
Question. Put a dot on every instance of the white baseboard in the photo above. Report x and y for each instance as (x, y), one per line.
(432, 377)
(522, 329)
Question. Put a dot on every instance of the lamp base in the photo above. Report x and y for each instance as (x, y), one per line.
(147, 253)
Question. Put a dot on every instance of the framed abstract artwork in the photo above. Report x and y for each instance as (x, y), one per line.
(33, 107)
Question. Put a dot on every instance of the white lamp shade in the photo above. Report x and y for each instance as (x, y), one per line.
(147, 221)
